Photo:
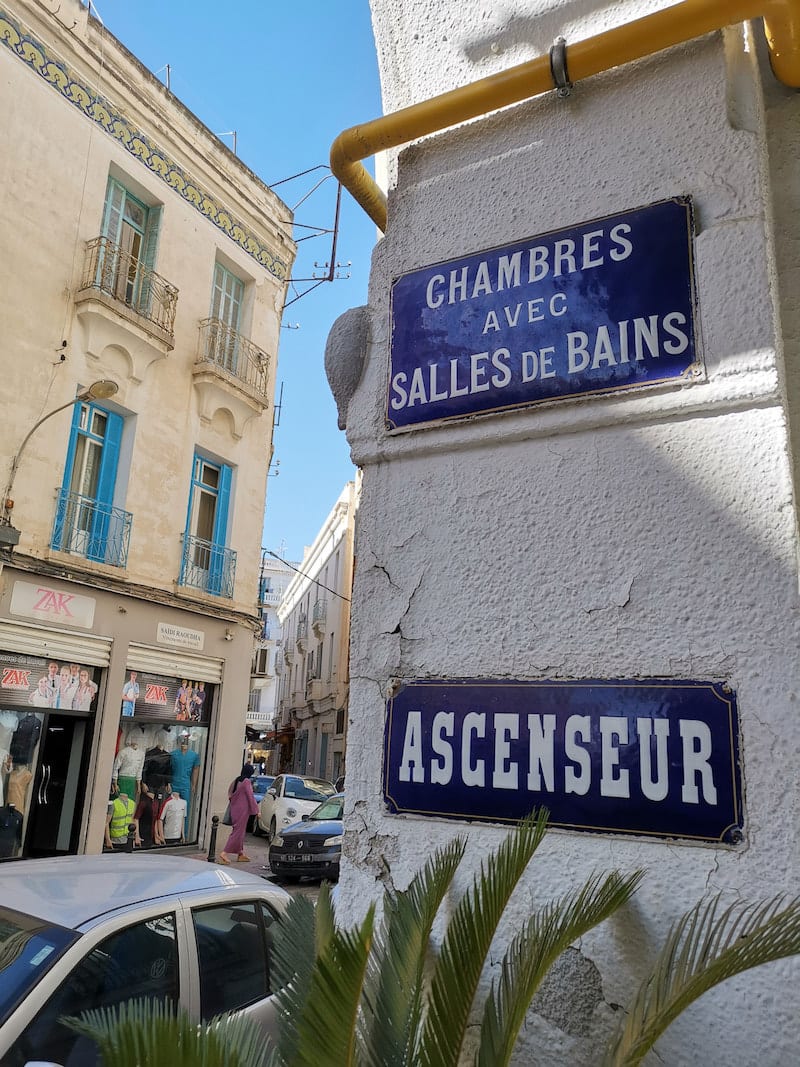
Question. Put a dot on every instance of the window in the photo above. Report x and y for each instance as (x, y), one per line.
(130, 230)
(86, 522)
(207, 564)
(139, 961)
(227, 295)
(233, 943)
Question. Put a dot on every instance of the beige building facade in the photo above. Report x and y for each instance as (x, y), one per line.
(139, 253)
(314, 680)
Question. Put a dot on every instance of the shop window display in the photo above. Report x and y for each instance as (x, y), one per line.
(42, 703)
(161, 756)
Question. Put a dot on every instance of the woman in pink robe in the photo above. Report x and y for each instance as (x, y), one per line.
(243, 805)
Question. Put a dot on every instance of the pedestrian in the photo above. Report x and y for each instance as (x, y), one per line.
(243, 805)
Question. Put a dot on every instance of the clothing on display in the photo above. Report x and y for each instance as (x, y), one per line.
(129, 761)
(173, 816)
(26, 738)
(157, 770)
(121, 811)
(183, 762)
(10, 831)
(17, 787)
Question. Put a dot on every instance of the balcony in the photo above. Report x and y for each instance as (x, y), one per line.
(208, 567)
(314, 689)
(278, 665)
(110, 270)
(301, 637)
(318, 617)
(85, 527)
(270, 598)
(230, 373)
(288, 654)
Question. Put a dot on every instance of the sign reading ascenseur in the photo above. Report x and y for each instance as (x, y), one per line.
(642, 756)
(599, 307)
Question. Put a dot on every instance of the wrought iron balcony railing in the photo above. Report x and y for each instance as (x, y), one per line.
(318, 616)
(207, 566)
(226, 348)
(111, 270)
(85, 527)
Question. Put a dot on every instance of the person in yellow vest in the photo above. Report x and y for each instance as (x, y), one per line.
(120, 814)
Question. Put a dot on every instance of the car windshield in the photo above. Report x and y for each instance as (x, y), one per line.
(308, 789)
(28, 949)
(328, 809)
(262, 783)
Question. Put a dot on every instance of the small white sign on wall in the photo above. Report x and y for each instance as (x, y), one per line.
(35, 601)
(179, 636)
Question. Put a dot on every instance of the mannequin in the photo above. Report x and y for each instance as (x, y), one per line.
(157, 764)
(26, 738)
(17, 787)
(185, 766)
(127, 773)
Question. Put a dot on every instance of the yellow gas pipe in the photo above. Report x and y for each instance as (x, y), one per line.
(641, 37)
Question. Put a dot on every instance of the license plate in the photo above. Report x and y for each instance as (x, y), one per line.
(305, 858)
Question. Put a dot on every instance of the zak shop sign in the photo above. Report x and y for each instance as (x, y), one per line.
(657, 757)
(603, 306)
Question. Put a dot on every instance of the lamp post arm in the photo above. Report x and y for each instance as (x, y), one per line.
(16, 460)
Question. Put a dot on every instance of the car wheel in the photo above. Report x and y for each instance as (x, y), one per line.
(273, 830)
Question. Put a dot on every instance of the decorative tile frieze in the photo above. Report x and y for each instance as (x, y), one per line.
(112, 121)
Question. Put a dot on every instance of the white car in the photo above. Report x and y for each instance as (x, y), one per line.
(80, 932)
(289, 798)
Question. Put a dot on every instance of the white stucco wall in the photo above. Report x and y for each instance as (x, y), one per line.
(649, 534)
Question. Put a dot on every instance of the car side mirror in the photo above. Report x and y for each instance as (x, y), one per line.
(304, 818)
(272, 793)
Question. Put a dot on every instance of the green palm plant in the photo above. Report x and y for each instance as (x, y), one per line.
(709, 944)
(376, 996)
(380, 995)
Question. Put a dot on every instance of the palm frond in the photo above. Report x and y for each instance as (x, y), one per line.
(467, 940)
(393, 994)
(149, 1031)
(293, 956)
(704, 948)
(326, 1029)
(325, 922)
(548, 932)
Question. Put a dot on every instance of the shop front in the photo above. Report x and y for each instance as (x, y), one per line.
(48, 712)
(162, 749)
(112, 714)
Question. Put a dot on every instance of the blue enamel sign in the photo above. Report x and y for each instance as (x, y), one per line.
(604, 306)
(656, 757)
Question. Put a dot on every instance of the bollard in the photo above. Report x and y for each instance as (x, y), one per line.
(212, 841)
(131, 834)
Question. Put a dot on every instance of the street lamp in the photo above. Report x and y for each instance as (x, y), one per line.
(100, 390)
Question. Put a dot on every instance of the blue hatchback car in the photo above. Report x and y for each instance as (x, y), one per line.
(311, 848)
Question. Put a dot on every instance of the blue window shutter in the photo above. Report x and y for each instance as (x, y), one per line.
(106, 482)
(216, 570)
(148, 259)
(112, 213)
(223, 501)
(58, 528)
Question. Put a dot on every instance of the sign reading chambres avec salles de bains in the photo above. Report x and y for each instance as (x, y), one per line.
(599, 307)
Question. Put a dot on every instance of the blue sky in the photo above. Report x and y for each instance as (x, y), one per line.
(287, 77)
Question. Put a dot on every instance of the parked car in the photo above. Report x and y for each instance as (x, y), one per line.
(311, 848)
(289, 798)
(260, 783)
(80, 932)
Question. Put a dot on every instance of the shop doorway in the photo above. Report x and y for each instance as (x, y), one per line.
(58, 787)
